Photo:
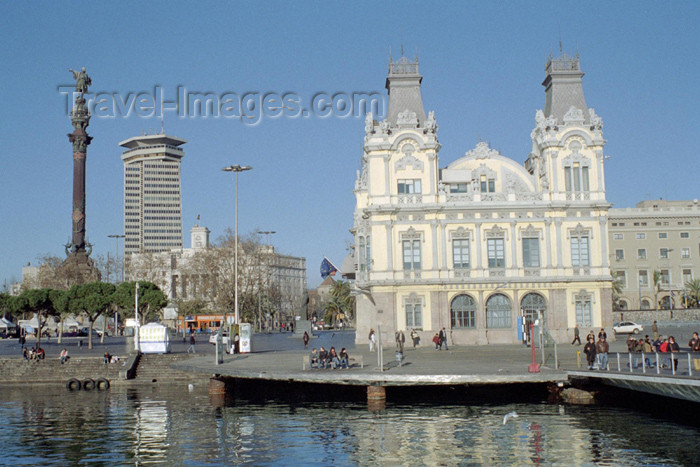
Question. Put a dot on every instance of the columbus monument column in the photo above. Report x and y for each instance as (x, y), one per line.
(79, 265)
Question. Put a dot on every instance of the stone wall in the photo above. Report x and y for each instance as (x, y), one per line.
(649, 316)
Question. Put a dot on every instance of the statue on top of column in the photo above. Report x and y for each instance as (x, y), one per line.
(82, 80)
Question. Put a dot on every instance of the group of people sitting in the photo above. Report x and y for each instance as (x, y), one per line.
(110, 358)
(329, 358)
(32, 353)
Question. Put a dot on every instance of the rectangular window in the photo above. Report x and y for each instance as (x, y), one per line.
(460, 253)
(642, 253)
(584, 316)
(663, 253)
(685, 253)
(619, 255)
(579, 252)
(576, 178)
(459, 188)
(496, 251)
(409, 187)
(365, 259)
(411, 254)
(665, 277)
(687, 276)
(640, 236)
(643, 278)
(531, 252)
(685, 235)
(618, 236)
(414, 315)
(488, 185)
(663, 235)
(622, 276)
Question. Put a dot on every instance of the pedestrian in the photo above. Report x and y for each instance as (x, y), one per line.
(402, 338)
(577, 338)
(192, 342)
(436, 341)
(306, 339)
(602, 333)
(590, 336)
(64, 356)
(589, 350)
(443, 338)
(414, 338)
(372, 340)
(655, 330)
(602, 349)
(674, 349)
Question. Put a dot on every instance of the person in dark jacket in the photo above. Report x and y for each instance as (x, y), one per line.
(589, 350)
(602, 349)
(674, 349)
(323, 357)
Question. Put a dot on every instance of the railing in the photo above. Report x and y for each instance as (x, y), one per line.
(549, 351)
(660, 363)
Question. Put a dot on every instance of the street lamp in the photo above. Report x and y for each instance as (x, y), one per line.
(116, 237)
(236, 169)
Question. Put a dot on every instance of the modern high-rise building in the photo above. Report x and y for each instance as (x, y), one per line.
(152, 206)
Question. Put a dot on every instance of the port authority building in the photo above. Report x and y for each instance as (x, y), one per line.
(484, 245)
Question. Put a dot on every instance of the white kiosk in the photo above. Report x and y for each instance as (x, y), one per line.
(154, 338)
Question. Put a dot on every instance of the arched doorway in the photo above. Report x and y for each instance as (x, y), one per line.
(463, 311)
(533, 306)
(646, 304)
(498, 312)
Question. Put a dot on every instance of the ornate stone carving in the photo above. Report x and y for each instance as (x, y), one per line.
(430, 124)
(596, 121)
(482, 151)
(408, 159)
(495, 232)
(384, 127)
(407, 118)
(411, 234)
(530, 231)
(461, 232)
(574, 116)
(369, 124)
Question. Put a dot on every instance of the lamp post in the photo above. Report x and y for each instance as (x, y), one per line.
(116, 237)
(236, 169)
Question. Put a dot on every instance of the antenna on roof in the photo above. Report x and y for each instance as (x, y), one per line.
(162, 123)
(401, 37)
(560, 48)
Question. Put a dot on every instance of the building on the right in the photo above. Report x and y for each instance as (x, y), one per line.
(655, 253)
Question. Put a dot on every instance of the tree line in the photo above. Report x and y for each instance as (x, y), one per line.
(89, 300)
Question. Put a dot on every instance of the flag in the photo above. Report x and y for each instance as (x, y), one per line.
(327, 268)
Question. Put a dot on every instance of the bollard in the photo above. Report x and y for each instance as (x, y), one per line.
(533, 367)
(578, 359)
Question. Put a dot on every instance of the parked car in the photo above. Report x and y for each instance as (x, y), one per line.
(627, 327)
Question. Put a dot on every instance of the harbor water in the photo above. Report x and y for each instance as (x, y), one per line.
(177, 425)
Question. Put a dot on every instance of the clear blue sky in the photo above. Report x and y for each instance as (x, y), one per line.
(482, 63)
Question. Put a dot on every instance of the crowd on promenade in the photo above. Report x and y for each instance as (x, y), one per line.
(596, 351)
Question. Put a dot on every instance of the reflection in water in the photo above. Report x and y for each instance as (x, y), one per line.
(173, 426)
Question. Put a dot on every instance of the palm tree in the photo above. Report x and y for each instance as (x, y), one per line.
(617, 286)
(693, 287)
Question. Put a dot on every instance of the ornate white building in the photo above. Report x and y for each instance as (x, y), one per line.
(485, 244)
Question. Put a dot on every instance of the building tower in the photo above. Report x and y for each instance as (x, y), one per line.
(152, 205)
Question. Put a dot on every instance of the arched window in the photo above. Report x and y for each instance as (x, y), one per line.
(622, 305)
(463, 310)
(646, 305)
(532, 304)
(666, 302)
(498, 311)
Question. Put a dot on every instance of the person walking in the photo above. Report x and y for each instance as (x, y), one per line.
(655, 330)
(674, 349)
(402, 340)
(436, 341)
(372, 340)
(443, 338)
(414, 337)
(306, 339)
(577, 338)
(192, 342)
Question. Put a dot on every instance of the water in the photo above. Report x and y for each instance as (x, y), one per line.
(172, 426)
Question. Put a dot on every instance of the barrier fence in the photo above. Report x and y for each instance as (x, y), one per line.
(673, 363)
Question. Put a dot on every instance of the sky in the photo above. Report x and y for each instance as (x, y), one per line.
(482, 65)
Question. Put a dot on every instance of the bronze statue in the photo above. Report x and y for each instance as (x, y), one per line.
(82, 80)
